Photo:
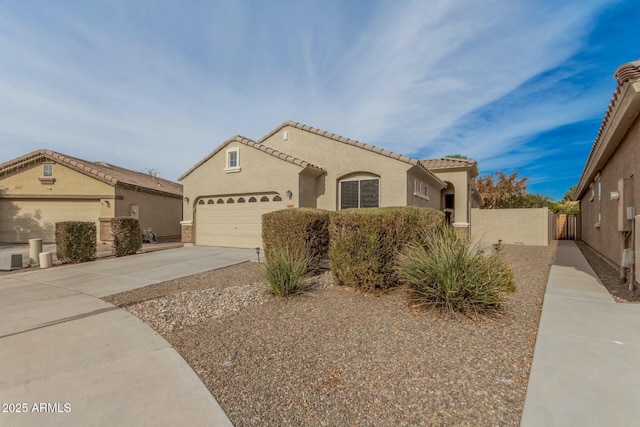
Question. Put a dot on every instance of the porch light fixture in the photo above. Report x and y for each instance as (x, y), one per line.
(186, 200)
(289, 194)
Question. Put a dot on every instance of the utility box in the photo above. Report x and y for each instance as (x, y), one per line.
(10, 262)
(636, 246)
(625, 188)
(627, 258)
(35, 247)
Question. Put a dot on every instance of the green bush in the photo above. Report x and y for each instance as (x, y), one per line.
(285, 269)
(75, 241)
(302, 230)
(127, 237)
(365, 242)
(447, 273)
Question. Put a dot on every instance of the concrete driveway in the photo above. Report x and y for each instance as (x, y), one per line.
(70, 359)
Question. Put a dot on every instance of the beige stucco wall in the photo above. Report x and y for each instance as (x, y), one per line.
(340, 159)
(260, 172)
(623, 163)
(26, 181)
(433, 193)
(460, 181)
(512, 226)
(31, 206)
(163, 214)
(308, 189)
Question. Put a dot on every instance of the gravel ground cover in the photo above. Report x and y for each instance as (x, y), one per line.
(608, 275)
(334, 356)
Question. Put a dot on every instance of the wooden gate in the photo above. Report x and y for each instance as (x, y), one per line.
(565, 227)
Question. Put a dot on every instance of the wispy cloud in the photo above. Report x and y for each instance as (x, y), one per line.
(160, 84)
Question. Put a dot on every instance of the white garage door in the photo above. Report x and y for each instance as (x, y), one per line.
(21, 220)
(233, 221)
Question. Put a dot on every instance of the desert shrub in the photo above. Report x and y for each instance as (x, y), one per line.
(75, 241)
(365, 242)
(448, 273)
(302, 230)
(127, 238)
(285, 269)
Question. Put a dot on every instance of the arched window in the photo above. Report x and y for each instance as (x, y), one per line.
(201, 202)
(277, 199)
(230, 200)
(252, 200)
(241, 200)
(210, 202)
(220, 201)
(264, 199)
(360, 191)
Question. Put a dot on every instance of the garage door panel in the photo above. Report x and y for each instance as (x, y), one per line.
(232, 224)
(21, 220)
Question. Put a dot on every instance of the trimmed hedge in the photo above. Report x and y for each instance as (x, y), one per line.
(297, 230)
(365, 243)
(127, 237)
(76, 241)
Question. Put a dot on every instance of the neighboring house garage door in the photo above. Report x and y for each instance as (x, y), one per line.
(21, 220)
(233, 221)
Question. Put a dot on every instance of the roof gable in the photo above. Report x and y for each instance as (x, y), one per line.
(355, 143)
(105, 172)
(266, 149)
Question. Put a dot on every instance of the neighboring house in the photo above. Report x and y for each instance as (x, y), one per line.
(44, 187)
(607, 188)
(296, 165)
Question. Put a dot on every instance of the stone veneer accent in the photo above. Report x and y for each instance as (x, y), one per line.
(187, 231)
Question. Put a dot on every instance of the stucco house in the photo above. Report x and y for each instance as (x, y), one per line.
(44, 187)
(295, 165)
(607, 188)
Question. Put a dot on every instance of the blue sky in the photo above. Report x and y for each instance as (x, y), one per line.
(160, 84)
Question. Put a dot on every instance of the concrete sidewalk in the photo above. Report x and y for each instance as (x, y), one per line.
(586, 364)
(91, 363)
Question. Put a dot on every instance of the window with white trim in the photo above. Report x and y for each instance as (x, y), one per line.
(360, 193)
(233, 160)
(421, 190)
(47, 170)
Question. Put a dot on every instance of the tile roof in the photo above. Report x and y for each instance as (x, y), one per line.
(378, 150)
(625, 74)
(448, 163)
(251, 143)
(105, 172)
(628, 71)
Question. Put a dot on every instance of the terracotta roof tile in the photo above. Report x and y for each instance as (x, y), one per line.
(258, 146)
(625, 73)
(353, 142)
(628, 71)
(101, 171)
(447, 163)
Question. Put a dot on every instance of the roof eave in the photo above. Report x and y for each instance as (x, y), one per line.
(353, 142)
(622, 112)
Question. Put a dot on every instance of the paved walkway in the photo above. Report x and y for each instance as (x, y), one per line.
(85, 362)
(586, 364)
